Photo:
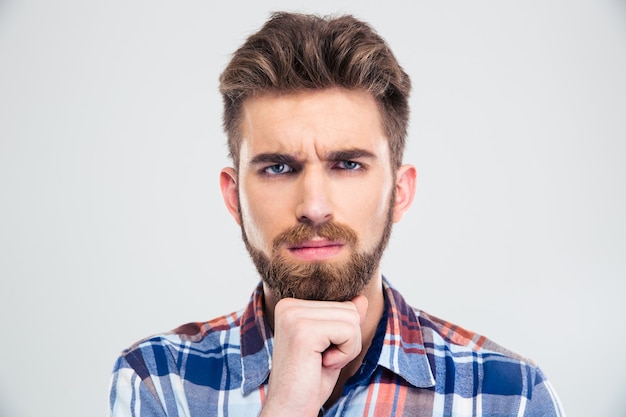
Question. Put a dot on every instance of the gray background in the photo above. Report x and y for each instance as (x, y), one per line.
(112, 226)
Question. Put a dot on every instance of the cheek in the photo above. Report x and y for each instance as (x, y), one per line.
(258, 217)
(380, 212)
(370, 212)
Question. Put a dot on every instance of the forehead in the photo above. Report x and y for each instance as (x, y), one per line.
(317, 119)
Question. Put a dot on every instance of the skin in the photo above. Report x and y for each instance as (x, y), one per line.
(312, 157)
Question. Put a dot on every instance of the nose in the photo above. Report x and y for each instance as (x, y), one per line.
(314, 206)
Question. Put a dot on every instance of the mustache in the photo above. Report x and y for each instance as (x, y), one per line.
(303, 231)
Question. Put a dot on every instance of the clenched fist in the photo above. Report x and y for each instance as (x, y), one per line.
(313, 342)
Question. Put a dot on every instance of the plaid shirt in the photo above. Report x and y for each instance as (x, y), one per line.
(417, 365)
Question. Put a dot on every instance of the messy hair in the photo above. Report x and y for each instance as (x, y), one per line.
(297, 52)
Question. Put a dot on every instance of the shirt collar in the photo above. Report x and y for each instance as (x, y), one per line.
(402, 351)
(256, 343)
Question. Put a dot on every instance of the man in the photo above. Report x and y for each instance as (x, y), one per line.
(316, 113)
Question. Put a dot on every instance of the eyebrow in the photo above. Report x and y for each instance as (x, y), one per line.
(349, 154)
(283, 158)
(273, 158)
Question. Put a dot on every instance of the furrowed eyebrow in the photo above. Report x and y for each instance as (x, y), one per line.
(273, 158)
(349, 154)
(334, 156)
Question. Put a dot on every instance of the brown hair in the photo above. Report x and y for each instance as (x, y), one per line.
(294, 52)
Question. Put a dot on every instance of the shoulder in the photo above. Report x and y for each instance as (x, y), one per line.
(469, 364)
(195, 332)
(156, 353)
(440, 334)
(150, 374)
(457, 353)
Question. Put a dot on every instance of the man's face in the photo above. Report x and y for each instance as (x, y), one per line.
(315, 191)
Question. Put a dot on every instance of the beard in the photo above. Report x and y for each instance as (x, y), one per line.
(323, 281)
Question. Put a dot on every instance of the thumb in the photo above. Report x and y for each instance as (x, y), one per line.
(361, 303)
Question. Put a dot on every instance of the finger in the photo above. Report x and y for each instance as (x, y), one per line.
(338, 355)
(292, 310)
(345, 343)
(287, 303)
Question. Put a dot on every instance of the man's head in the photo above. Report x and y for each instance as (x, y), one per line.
(316, 112)
(296, 52)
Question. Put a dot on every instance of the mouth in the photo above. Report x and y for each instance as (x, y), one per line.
(316, 250)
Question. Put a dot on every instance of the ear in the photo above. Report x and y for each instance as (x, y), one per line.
(228, 184)
(406, 183)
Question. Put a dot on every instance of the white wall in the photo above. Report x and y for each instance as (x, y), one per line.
(112, 227)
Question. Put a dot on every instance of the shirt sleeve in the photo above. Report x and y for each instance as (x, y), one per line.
(130, 396)
(543, 401)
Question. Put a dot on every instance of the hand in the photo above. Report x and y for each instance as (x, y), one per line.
(313, 342)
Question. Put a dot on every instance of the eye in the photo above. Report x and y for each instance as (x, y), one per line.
(277, 169)
(348, 165)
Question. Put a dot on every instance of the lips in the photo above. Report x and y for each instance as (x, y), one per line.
(316, 250)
